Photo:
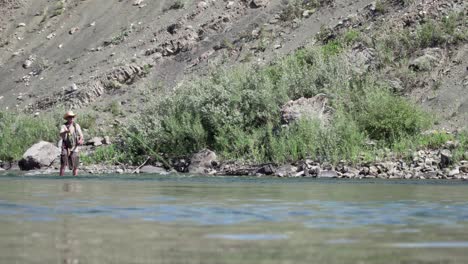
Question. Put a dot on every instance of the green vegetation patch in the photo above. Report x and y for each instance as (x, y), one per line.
(236, 112)
(21, 131)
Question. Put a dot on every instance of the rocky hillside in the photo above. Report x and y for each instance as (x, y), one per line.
(106, 56)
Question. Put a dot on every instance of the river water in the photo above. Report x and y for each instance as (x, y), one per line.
(182, 219)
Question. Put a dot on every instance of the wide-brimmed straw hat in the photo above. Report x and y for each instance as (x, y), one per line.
(69, 114)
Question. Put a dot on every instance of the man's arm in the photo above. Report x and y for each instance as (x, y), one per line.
(80, 135)
(63, 131)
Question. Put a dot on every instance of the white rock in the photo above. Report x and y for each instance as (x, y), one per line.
(202, 5)
(39, 155)
(137, 2)
(51, 36)
(21, 25)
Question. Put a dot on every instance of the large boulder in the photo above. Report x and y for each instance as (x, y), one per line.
(39, 155)
(202, 162)
(315, 108)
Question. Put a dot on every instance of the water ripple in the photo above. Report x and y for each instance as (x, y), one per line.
(313, 214)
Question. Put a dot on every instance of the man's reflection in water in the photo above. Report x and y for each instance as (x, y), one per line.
(72, 187)
(68, 243)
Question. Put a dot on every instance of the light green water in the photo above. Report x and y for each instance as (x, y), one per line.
(180, 219)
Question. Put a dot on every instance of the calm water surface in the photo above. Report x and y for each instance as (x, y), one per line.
(181, 219)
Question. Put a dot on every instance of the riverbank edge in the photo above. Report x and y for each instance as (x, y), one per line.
(435, 164)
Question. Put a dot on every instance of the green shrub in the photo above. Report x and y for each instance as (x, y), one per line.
(387, 117)
(351, 36)
(236, 112)
(431, 35)
(332, 48)
(111, 155)
(21, 131)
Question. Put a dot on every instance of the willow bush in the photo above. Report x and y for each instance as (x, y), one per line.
(236, 112)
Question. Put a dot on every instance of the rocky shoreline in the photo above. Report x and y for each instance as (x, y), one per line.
(425, 164)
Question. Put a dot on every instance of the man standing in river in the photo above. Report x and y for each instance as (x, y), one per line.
(72, 138)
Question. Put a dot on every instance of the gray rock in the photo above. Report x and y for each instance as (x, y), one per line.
(95, 141)
(361, 58)
(464, 168)
(314, 171)
(27, 63)
(286, 171)
(429, 175)
(73, 30)
(445, 158)
(202, 162)
(137, 2)
(202, 5)
(258, 3)
(373, 170)
(315, 108)
(2, 169)
(432, 57)
(267, 169)
(454, 172)
(152, 170)
(39, 155)
(328, 174)
(349, 175)
(106, 140)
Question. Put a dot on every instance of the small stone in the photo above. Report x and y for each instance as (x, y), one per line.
(349, 175)
(308, 12)
(106, 140)
(21, 25)
(73, 30)
(152, 169)
(328, 174)
(120, 171)
(50, 36)
(267, 169)
(314, 171)
(451, 145)
(464, 168)
(445, 158)
(286, 171)
(230, 4)
(137, 2)
(258, 3)
(202, 5)
(277, 46)
(27, 63)
(74, 87)
(92, 24)
(373, 170)
(95, 141)
(454, 172)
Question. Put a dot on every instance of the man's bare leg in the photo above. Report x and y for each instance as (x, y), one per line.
(75, 172)
(62, 170)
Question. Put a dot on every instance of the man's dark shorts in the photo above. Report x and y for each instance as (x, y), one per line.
(71, 161)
